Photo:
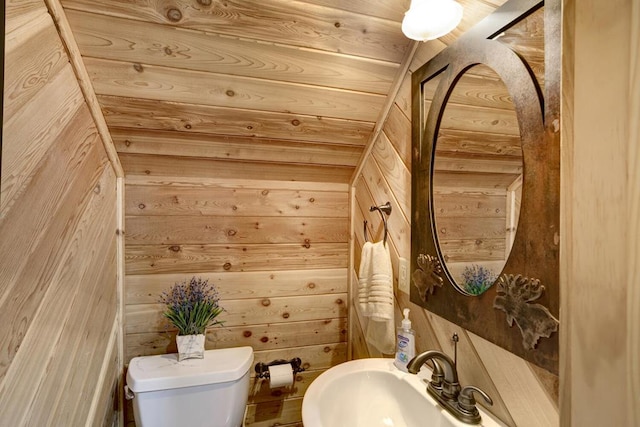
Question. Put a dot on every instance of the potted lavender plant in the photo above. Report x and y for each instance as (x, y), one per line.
(191, 307)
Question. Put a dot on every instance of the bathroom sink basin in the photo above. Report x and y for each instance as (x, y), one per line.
(374, 393)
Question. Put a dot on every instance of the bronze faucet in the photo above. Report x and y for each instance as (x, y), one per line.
(445, 388)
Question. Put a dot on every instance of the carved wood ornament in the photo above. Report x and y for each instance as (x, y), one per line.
(535, 251)
(515, 294)
(427, 276)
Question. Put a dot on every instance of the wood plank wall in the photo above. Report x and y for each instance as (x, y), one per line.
(277, 252)
(523, 394)
(59, 360)
(600, 261)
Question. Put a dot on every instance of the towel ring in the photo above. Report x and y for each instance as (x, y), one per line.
(386, 208)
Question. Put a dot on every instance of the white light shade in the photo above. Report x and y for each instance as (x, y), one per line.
(430, 19)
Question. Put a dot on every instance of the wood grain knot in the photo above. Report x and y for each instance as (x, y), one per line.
(265, 192)
(311, 285)
(204, 2)
(306, 365)
(339, 301)
(266, 302)
(230, 93)
(337, 25)
(174, 248)
(295, 122)
(174, 15)
(231, 233)
(285, 315)
(96, 189)
(187, 126)
(138, 67)
(327, 349)
(234, 208)
(264, 339)
(299, 378)
(246, 334)
(147, 172)
(311, 200)
(307, 243)
(227, 266)
(168, 51)
(141, 206)
(127, 142)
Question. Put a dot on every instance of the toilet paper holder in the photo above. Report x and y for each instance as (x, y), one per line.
(262, 369)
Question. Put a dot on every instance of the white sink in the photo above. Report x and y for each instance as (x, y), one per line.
(374, 393)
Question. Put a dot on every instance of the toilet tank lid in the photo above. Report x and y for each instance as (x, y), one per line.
(163, 372)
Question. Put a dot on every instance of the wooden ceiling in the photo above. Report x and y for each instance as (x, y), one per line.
(275, 89)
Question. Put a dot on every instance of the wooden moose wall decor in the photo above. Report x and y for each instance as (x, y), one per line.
(485, 181)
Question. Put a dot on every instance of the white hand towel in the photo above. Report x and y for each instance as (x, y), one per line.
(380, 301)
(375, 296)
(364, 278)
(381, 334)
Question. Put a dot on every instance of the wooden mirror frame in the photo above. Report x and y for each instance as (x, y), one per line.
(531, 272)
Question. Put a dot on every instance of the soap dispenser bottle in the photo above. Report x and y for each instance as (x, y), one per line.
(406, 349)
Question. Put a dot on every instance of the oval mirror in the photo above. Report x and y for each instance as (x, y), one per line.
(477, 180)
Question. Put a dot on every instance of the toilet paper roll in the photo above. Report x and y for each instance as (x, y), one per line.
(280, 375)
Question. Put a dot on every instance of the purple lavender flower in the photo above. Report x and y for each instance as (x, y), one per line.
(192, 307)
(477, 279)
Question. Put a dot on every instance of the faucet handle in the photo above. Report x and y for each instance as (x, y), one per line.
(437, 375)
(466, 400)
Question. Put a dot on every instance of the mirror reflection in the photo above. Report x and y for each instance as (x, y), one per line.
(477, 180)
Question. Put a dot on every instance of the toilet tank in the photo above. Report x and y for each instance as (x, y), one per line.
(209, 392)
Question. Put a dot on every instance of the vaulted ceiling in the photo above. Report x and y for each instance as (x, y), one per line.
(270, 89)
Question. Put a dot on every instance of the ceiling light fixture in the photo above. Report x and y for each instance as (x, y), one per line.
(430, 19)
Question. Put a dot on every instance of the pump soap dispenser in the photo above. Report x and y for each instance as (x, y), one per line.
(406, 349)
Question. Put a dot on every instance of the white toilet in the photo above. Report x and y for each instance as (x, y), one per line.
(209, 392)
